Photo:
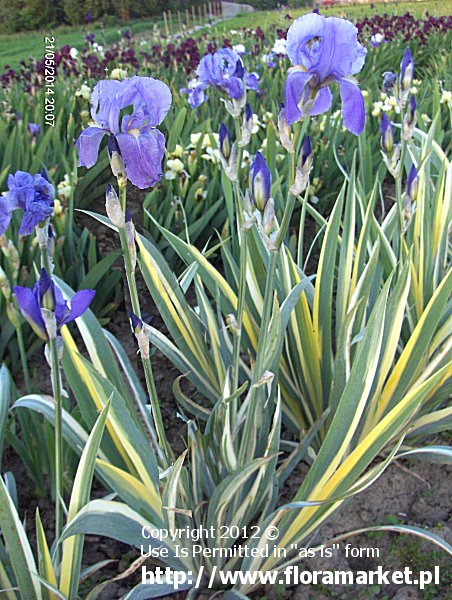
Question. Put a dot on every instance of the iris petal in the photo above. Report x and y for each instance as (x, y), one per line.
(79, 304)
(143, 155)
(353, 109)
(322, 102)
(29, 307)
(88, 146)
(295, 87)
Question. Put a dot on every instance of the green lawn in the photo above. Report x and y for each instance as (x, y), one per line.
(19, 46)
(263, 19)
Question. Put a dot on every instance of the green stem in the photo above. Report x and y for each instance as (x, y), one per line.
(240, 309)
(56, 386)
(290, 203)
(23, 357)
(147, 366)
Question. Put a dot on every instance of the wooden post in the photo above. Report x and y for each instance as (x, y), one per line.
(200, 14)
(193, 15)
(179, 19)
(166, 23)
(170, 22)
(206, 14)
(187, 20)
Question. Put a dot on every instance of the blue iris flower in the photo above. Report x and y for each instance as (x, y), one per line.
(324, 50)
(33, 194)
(141, 145)
(47, 296)
(223, 70)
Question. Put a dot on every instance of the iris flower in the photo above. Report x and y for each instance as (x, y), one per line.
(47, 296)
(141, 145)
(324, 50)
(223, 70)
(33, 194)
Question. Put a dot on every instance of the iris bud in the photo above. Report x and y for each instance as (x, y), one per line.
(387, 134)
(228, 154)
(139, 329)
(247, 126)
(225, 141)
(412, 187)
(113, 207)
(260, 182)
(406, 71)
(4, 285)
(117, 165)
(303, 169)
(409, 120)
(130, 238)
(284, 130)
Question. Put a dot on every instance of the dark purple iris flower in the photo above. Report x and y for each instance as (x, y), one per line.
(46, 295)
(223, 70)
(324, 50)
(141, 145)
(33, 194)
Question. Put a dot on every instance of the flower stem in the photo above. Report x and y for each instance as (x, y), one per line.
(56, 386)
(23, 357)
(168, 456)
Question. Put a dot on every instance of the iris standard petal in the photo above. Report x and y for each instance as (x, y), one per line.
(29, 307)
(340, 50)
(322, 102)
(353, 109)
(80, 302)
(87, 145)
(142, 155)
(295, 87)
(152, 96)
(107, 100)
(300, 33)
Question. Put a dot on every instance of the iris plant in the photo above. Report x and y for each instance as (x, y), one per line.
(140, 145)
(223, 70)
(33, 194)
(324, 50)
(46, 298)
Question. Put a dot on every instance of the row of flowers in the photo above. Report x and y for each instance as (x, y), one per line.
(94, 60)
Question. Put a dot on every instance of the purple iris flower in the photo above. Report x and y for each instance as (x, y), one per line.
(324, 50)
(141, 145)
(260, 182)
(34, 129)
(389, 81)
(31, 193)
(223, 70)
(46, 295)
